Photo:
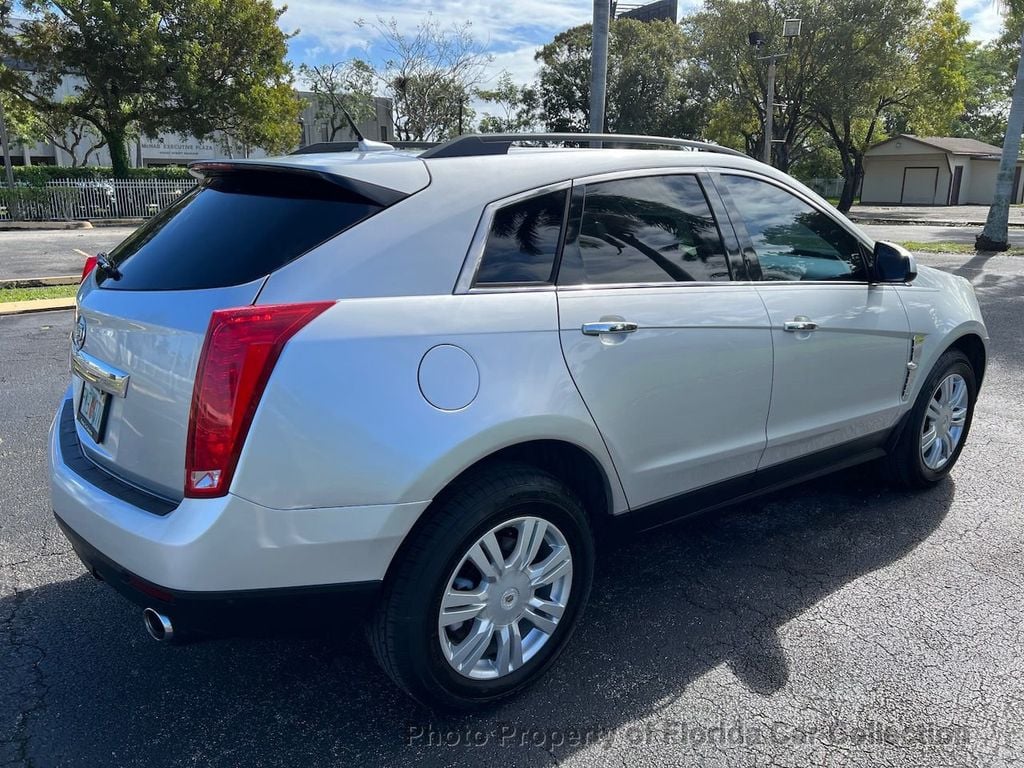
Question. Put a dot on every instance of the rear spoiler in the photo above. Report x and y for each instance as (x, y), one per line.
(374, 193)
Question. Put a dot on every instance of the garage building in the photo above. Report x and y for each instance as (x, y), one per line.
(933, 170)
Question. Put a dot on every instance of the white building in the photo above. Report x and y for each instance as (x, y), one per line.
(933, 170)
(172, 149)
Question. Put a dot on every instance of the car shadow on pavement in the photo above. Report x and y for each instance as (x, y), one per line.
(667, 607)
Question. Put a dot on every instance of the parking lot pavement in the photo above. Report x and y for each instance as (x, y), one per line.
(837, 623)
(42, 253)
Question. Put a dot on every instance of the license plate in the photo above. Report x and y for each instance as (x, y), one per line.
(92, 410)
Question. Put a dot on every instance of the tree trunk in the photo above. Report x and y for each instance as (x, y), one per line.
(849, 183)
(995, 236)
(118, 147)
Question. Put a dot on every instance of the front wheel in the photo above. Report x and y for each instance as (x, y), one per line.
(938, 424)
(488, 591)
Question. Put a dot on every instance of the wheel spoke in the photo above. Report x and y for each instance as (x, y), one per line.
(486, 556)
(530, 536)
(458, 606)
(934, 410)
(467, 653)
(509, 642)
(947, 390)
(557, 564)
(959, 393)
(539, 620)
(958, 417)
(928, 439)
(548, 607)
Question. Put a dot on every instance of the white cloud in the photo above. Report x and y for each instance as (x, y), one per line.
(984, 17)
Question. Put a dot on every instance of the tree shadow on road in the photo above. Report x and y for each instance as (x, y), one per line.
(667, 607)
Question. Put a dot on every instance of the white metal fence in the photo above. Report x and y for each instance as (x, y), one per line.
(69, 199)
(826, 187)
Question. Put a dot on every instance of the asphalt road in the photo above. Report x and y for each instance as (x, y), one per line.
(838, 623)
(42, 253)
(46, 253)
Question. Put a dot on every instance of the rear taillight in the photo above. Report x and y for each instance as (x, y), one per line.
(242, 345)
(90, 265)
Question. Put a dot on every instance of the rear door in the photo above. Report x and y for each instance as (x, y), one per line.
(841, 344)
(141, 328)
(671, 355)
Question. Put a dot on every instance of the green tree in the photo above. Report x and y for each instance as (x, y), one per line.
(516, 108)
(147, 66)
(649, 80)
(866, 72)
(990, 85)
(737, 79)
(346, 86)
(940, 49)
(430, 75)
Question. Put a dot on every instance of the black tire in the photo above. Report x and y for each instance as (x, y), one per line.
(404, 632)
(905, 466)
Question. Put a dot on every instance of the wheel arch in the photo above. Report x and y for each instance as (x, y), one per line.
(972, 345)
(577, 467)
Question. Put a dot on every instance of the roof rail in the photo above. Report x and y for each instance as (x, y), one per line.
(347, 146)
(473, 145)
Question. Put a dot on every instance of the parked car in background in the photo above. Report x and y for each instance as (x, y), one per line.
(426, 384)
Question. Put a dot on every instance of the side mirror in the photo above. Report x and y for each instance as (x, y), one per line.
(893, 264)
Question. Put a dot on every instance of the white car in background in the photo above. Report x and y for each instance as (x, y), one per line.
(427, 383)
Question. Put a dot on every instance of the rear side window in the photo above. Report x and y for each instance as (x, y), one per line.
(234, 229)
(655, 229)
(523, 240)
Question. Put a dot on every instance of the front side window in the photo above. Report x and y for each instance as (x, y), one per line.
(793, 241)
(523, 240)
(655, 229)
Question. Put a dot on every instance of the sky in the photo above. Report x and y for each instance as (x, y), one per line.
(511, 31)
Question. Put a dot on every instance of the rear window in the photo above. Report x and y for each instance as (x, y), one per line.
(234, 229)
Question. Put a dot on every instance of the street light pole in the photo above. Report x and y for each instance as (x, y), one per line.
(769, 109)
(599, 65)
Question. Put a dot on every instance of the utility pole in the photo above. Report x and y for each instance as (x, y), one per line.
(790, 30)
(769, 110)
(599, 66)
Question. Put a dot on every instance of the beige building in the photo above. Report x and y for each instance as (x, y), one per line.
(933, 170)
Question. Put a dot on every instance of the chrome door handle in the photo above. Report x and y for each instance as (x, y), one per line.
(799, 323)
(615, 326)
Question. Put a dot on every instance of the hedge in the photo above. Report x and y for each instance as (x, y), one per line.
(37, 175)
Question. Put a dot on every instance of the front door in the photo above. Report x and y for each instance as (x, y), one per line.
(671, 356)
(841, 344)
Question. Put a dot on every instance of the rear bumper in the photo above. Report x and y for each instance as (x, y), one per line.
(222, 610)
(225, 545)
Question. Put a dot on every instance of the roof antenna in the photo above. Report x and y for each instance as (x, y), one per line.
(364, 145)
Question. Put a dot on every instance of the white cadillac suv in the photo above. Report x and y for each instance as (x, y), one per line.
(417, 388)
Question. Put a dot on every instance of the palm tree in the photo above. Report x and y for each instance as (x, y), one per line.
(995, 236)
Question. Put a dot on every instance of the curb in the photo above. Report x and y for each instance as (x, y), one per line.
(39, 282)
(21, 226)
(35, 305)
(923, 222)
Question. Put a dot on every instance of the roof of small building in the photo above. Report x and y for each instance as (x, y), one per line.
(951, 144)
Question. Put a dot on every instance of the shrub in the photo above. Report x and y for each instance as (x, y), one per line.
(37, 175)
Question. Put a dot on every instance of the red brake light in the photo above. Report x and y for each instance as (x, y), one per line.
(90, 265)
(242, 345)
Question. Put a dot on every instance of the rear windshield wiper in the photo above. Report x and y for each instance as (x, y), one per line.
(104, 266)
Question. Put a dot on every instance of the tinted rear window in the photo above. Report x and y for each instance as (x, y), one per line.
(234, 229)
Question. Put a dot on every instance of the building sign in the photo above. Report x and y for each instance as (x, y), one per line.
(177, 148)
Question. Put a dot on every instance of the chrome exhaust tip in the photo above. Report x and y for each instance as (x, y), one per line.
(158, 625)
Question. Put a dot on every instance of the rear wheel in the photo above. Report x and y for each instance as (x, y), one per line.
(488, 592)
(937, 428)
